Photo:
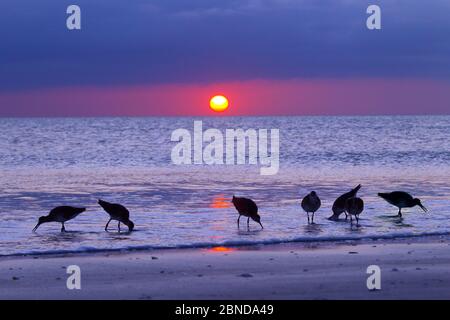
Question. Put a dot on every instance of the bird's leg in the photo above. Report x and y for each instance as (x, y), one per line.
(119, 226)
(238, 220)
(248, 223)
(107, 224)
(308, 216)
(400, 212)
(63, 229)
(312, 219)
(357, 220)
(346, 216)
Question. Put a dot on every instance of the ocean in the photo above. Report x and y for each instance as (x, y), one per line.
(76, 161)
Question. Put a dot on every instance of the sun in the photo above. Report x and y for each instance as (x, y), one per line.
(218, 103)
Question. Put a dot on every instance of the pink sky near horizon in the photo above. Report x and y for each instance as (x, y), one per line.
(254, 97)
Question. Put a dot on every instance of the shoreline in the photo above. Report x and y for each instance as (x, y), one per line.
(337, 270)
(432, 237)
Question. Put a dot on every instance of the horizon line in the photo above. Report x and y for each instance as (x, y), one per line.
(223, 116)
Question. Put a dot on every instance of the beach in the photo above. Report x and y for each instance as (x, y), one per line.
(186, 243)
(410, 269)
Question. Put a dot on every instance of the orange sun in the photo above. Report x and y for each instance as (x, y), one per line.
(218, 103)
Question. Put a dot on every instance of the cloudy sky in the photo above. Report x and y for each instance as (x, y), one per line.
(168, 57)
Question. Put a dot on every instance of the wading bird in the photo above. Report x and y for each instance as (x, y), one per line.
(60, 214)
(311, 203)
(354, 207)
(402, 200)
(117, 212)
(339, 205)
(248, 208)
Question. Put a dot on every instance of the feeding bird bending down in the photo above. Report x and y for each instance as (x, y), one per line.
(339, 205)
(60, 214)
(401, 200)
(117, 212)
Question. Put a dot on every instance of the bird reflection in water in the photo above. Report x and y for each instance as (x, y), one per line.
(312, 229)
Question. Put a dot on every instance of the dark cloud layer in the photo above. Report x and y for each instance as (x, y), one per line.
(203, 41)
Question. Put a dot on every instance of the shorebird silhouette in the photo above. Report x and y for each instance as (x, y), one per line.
(311, 203)
(354, 207)
(248, 208)
(339, 205)
(117, 212)
(60, 214)
(401, 200)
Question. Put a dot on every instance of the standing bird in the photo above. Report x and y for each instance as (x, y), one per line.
(402, 200)
(117, 212)
(339, 205)
(354, 207)
(311, 203)
(248, 208)
(60, 214)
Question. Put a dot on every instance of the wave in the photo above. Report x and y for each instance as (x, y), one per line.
(231, 243)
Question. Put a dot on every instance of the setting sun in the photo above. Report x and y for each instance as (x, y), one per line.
(218, 103)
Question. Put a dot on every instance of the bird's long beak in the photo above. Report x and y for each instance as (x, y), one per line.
(423, 208)
(37, 226)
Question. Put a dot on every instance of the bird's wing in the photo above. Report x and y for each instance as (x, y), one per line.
(304, 201)
(56, 211)
(123, 209)
(401, 194)
(253, 208)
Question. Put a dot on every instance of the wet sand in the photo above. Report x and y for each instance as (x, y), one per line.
(409, 270)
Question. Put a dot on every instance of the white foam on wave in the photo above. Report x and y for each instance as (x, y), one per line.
(230, 243)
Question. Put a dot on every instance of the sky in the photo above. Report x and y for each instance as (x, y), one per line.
(269, 57)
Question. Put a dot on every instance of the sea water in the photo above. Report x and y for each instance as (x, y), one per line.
(76, 161)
